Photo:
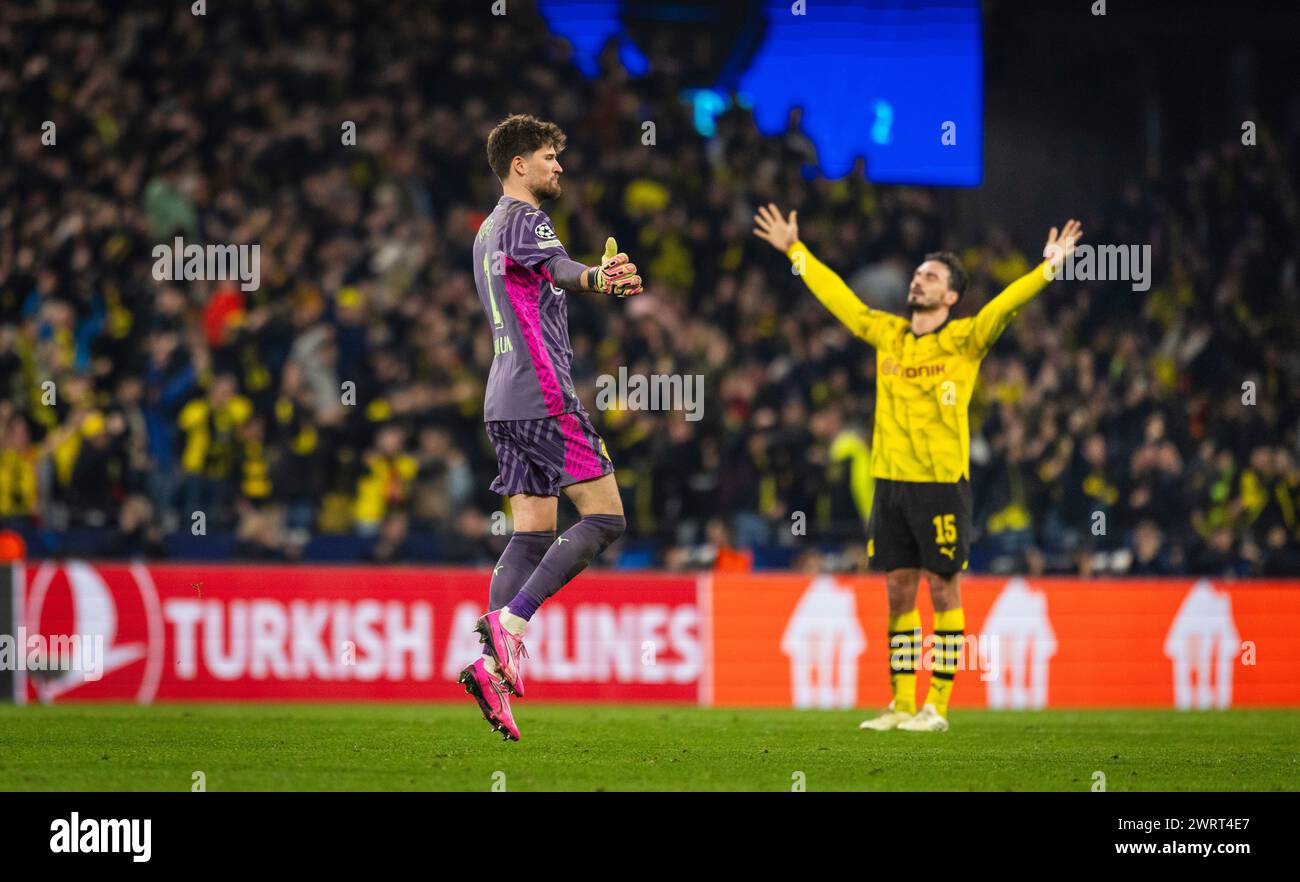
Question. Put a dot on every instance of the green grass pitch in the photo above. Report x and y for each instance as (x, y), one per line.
(571, 747)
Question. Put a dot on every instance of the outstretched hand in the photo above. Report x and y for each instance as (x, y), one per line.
(617, 275)
(780, 232)
(1058, 248)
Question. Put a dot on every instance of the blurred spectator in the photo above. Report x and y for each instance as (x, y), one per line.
(386, 481)
(391, 545)
(136, 535)
(18, 475)
(1148, 551)
(726, 558)
(210, 425)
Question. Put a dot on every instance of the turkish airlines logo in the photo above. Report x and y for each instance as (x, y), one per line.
(318, 640)
(119, 612)
(625, 643)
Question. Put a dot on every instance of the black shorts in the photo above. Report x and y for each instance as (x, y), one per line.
(920, 525)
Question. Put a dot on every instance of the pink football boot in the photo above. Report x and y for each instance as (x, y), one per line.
(505, 647)
(492, 696)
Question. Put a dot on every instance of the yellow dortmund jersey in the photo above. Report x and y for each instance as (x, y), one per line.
(385, 481)
(923, 384)
(208, 447)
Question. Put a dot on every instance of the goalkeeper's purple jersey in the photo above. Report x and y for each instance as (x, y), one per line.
(526, 313)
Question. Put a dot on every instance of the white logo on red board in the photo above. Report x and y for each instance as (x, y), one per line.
(823, 639)
(317, 640)
(73, 598)
(594, 642)
(1016, 645)
(1203, 645)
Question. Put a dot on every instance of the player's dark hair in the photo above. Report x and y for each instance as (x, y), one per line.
(519, 135)
(957, 277)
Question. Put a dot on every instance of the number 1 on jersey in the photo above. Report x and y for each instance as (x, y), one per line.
(492, 299)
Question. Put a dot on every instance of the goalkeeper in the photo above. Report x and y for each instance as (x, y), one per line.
(543, 438)
(921, 514)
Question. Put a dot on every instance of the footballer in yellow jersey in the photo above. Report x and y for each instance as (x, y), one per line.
(921, 513)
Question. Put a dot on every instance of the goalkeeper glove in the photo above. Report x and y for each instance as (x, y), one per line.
(616, 274)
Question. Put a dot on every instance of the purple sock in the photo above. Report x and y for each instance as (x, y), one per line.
(523, 553)
(567, 556)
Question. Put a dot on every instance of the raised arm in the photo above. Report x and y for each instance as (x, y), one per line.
(783, 234)
(993, 319)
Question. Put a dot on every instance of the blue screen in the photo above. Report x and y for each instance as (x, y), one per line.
(889, 81)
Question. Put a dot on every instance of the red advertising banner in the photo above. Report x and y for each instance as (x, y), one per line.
(185, 632)
(821, 641)
(196, 631)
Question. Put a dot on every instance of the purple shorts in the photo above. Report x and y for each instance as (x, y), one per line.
(541, 456)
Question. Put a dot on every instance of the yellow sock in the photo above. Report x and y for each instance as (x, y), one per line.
(904, 647)
(949, 636)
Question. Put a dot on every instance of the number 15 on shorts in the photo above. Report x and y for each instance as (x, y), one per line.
(945, 529)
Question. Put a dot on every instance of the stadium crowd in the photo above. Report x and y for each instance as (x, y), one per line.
(336, 410)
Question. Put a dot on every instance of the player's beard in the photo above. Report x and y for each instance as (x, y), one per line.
(914, 306)
(550, 189)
